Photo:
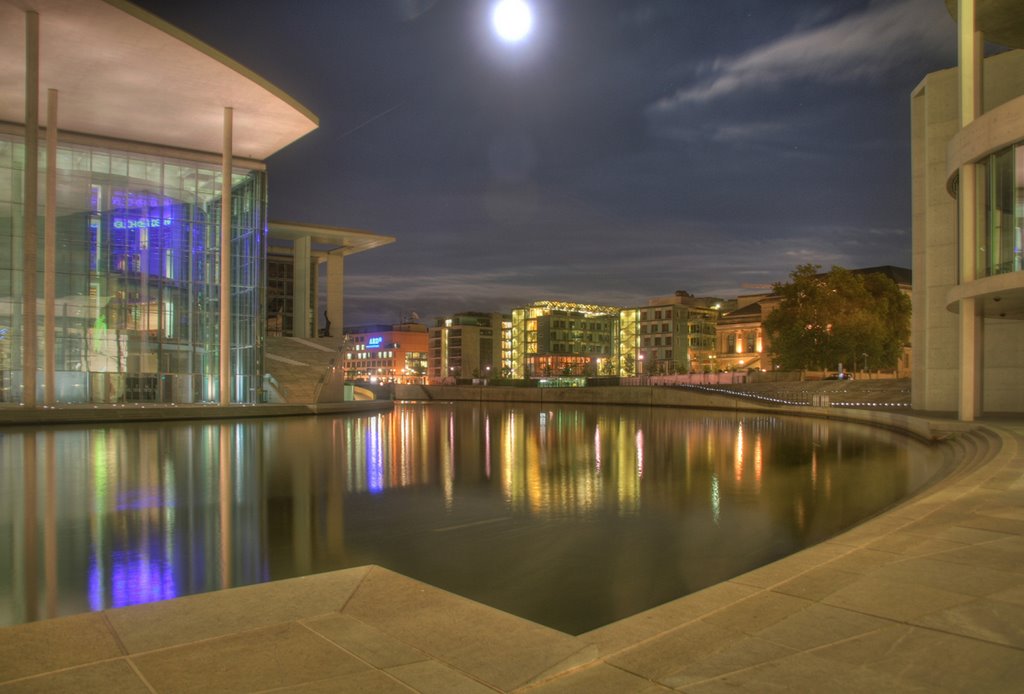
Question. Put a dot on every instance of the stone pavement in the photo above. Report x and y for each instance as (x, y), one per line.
(928, 597)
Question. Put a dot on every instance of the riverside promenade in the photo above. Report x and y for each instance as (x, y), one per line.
(928, 596)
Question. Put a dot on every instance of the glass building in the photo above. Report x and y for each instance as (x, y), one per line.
(133, 209)
(137, 277)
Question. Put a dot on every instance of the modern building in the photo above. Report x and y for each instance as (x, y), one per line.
(133, 210)
(967, 144)
(386, 353)
(467, 345)
(676, 334)
(561, 338)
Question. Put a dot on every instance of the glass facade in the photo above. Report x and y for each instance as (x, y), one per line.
(1001, 212)
(137, 277)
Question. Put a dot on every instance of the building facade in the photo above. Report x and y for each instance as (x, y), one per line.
(133, 209)
(467, 345)
(676, 334)
(967, 144)
(740, 339)
(560, 338)
(386, 353)
(305, 277)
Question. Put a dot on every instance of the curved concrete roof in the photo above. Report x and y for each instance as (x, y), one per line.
(124, 73)
(327, 238)
(1001, 21)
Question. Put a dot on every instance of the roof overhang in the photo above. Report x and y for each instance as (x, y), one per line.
(124, 73)
(1001, 21)
(329, 239)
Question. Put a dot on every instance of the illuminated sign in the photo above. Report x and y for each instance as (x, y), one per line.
(3, 333)
(146, 223)
(374, 342)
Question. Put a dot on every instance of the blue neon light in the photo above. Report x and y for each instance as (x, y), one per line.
(374, 342)
(144, 232)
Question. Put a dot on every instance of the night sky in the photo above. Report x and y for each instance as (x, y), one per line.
(625, 149)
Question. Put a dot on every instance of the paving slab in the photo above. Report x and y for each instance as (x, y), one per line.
(931, 660)
(366, 641)
(474, 638)
(196, 617)
(55, 644)
(97, 678)
(432, 677)
(254, 660)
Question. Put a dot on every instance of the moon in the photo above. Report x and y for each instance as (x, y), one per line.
(512, 20)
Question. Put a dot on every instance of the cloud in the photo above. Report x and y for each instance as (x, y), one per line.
(856, 47)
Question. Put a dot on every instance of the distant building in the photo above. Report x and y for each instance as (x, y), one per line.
(466, 345)
(740, 341)
(743, 344)
(305, 277)
(673, 334)
(386, 353)
(676, 334)
(967, 153)
(561, 338)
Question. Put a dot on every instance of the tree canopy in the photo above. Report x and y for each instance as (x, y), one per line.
(838, 317)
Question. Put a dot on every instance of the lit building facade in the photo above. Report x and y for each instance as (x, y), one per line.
(676, 334)
(467, 345)
(560, 338)
(386, 353)
(135, 301)
(132, 239)
(740, 336)
(967, 145)
(133, 211)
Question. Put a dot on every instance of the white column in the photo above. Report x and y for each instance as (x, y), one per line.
(31, 201)
(301, 286)
(225, 261)
(50, 255)
(970, 56)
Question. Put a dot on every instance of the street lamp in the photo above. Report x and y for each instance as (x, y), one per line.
(641, 362)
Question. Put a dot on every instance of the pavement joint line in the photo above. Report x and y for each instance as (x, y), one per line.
(70, 668)
(113, 632)
(959, 635)
(140, 675)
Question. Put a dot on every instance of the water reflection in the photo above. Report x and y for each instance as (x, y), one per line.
(572, 516)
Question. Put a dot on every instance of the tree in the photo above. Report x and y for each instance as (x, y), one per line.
(629, 365)
(826, 319)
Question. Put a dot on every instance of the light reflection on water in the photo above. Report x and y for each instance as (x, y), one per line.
(571, 516)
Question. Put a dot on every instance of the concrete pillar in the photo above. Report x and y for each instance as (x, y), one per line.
(970, 47)
(225, 260)
(301, 287)
(50, 255)
(31, 201)
(336, 291)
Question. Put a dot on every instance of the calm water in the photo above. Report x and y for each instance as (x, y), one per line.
(570, 516)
